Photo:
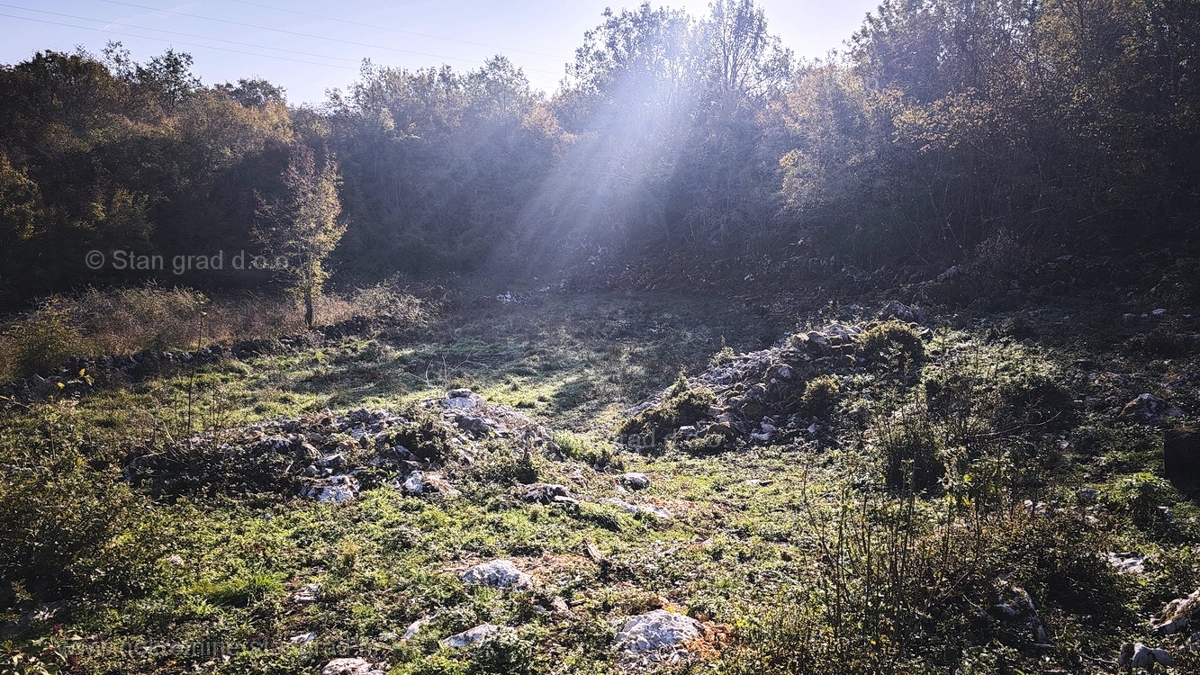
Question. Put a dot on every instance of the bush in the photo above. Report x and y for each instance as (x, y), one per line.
(890, 340)
(682, 406)
(44, 341)
(910, 454)
(69, 530)
(821, 395)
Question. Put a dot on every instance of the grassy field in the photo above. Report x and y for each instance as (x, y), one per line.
(930, 488)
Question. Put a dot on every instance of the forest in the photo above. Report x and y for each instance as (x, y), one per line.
(712, 360)
(942, 126)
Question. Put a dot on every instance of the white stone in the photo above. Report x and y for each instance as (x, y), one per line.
(470, 637)
(657, 629)
(497, 574)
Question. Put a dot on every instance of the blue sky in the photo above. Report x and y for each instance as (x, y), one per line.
(314, 53)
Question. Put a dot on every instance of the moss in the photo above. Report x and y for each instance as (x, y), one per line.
(884, 340)
(683, 406)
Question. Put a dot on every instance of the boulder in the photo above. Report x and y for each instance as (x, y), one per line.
(657, 630)
(1138, 655)
(1181, 455)
(544, 493)
(1148, 408)
(425, 483)
(471, 637)
(307, 593)
(1178, 615)
(635, 481)
(497, 574)
(656, 511)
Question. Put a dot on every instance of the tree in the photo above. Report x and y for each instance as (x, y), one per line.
(303, 225)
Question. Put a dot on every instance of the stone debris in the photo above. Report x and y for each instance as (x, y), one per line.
(425, 483)
(544, 493)
(497, 574)
(471, 637)
(657, 630)
(350, 666)
(307, 593)
(1178, 615)
(1129, 562)
(656, 511)
(336, 489)
(1138, 655)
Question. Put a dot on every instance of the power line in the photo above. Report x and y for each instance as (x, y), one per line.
(171, 32)
(307, 35)
(395, 30)
(190, 44)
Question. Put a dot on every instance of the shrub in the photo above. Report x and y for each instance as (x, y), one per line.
(821, 395)
(890, 340)
(43, 341)
(911, 461)
(682, 406)
(69, 530)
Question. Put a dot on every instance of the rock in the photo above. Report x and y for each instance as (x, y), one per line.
(898, 310)
(1018, 612)
(1129, 562)
(1158, 312)
(307, 593)
(559, 605)
(497, 574)
(545, 493)
(176, 561)
(302, 639)
(1088, 495)
(471, 637)
(414, 628)
(635, 481)
(656, 630)
(1178, 615)
(349, 666)
(1148, 408)
(1181, 455)
(333, 489)
(1138, 655)
(424, 483)
(656, 511)
(462, 399)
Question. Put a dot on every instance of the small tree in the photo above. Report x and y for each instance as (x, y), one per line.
(303, 225)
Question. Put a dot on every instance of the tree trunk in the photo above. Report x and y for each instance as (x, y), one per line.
(308, 307)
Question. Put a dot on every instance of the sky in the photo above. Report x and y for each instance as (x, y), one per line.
(309, 47)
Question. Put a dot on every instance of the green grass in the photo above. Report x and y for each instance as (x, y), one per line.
(789, 546)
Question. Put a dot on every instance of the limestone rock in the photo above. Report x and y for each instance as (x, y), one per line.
(1138, 655)
(1179, 614)
(635, 481)
(471, 637)
(425, 483)
(497, 574)
(656, 630)
(350, 666)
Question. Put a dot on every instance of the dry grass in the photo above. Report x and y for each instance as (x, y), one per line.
(128, 320)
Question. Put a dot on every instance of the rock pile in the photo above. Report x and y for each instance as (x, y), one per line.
(760, 397)
(331, 457)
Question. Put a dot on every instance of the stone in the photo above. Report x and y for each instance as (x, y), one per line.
(1017, 611)
(544, 493)
(471, 637)
(1178, 615)
(635, 481)
(656, 630)
(1129, 562)
(1138, 655)
(1181, 455)
(302, 639)
(307, 593)
(414, 628)
(333, 489)
(656, 511)
(424, 483)
(349, 666)
(1149, 408)
(497, 574)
